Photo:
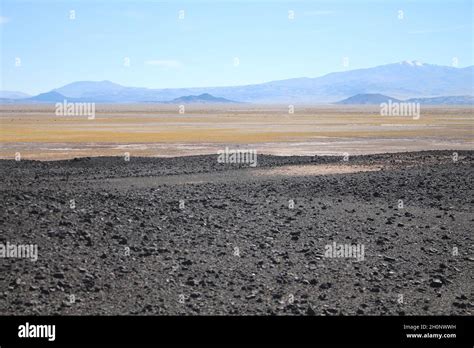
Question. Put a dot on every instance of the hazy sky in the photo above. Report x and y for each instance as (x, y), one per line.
(200, 49)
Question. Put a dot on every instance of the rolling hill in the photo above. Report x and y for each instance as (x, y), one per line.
(377, 99)
(366, 99)
(204, 98)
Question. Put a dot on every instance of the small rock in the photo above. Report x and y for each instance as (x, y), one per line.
(330, 311)
(325, 286)
(195, 295)
(459, 305)
(310, 311)
(58, 275)
(436, 283)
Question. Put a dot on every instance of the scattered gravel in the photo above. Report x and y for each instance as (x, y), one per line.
(188, 236)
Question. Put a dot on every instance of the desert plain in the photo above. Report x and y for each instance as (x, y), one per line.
(170, 231)
(36, 132)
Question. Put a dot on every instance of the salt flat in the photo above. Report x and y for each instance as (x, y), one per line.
(160, 130)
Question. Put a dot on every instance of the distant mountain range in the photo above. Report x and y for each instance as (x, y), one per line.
(404, 80)
(372, 99)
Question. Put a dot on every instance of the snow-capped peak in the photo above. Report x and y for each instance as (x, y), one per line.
(412, 63)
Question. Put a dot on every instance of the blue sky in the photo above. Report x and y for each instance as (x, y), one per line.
(200, 49)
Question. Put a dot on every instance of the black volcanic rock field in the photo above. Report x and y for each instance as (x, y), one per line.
(190, 236)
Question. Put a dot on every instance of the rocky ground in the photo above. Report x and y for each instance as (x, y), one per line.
(189, 236)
